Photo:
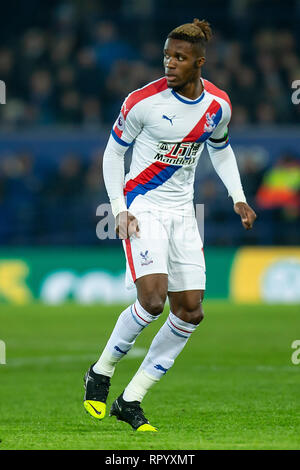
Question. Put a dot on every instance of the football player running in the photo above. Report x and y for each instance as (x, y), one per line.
(167, 122)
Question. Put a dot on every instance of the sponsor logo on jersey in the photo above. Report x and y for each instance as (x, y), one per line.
(180, 153)
(169, 119)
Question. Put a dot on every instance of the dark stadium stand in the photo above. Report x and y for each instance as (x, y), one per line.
(67, 68)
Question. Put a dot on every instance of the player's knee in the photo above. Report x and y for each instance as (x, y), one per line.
(194, 316)
(153, 304)
(198, 317)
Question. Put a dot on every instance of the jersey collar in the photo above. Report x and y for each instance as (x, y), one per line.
(185, 100)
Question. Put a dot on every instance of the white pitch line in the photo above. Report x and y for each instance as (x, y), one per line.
(43, 360)
(138, 353)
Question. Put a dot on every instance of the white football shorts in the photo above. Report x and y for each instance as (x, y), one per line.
(169, 244)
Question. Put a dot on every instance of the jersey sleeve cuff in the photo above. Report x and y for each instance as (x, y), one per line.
(118, 205)
(238, 197)
(218, 145)
(119, 140)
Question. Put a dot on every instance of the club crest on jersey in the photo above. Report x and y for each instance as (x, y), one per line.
(145, 258)
(210, 125)
(120, 122)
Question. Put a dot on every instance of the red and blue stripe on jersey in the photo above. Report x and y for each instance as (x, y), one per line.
(153, 176)
(214, 90)
(158, 173)
(152, 89)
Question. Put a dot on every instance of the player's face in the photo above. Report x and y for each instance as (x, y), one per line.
(182, 63)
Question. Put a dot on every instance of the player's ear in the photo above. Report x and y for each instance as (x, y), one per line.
(201, 61)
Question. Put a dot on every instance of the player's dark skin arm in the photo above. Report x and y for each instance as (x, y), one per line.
(126, 225)
(247, 214)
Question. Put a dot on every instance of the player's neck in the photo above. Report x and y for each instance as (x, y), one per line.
(191, 90)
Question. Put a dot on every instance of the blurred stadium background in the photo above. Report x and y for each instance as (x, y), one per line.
(67, 67)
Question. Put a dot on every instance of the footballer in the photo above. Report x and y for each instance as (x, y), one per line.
(167, 123)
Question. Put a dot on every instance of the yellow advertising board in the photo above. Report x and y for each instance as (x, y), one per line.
(263, 274)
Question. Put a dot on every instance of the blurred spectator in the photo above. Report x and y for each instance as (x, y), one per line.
(40, 96)
(279, 196)
(281, 186)
(61, 49)
(91, 114)
(151, 53)
(7, 70)
(69, 108)
(66, 77)
(90, 80)
(252, 173)
(22, 187)
(265, 114)
(108, 47)
(82, 53)
(240, 116)
(69, 177)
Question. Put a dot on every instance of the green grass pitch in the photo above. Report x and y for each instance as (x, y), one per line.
(233, 386)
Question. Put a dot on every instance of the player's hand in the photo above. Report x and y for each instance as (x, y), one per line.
(126, 225)
(247, 214)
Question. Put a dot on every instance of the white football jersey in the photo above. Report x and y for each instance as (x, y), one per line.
(168, 132)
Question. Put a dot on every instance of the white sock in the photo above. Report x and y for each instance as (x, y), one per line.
(165, 347)
(139, 386)
(130, 324)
